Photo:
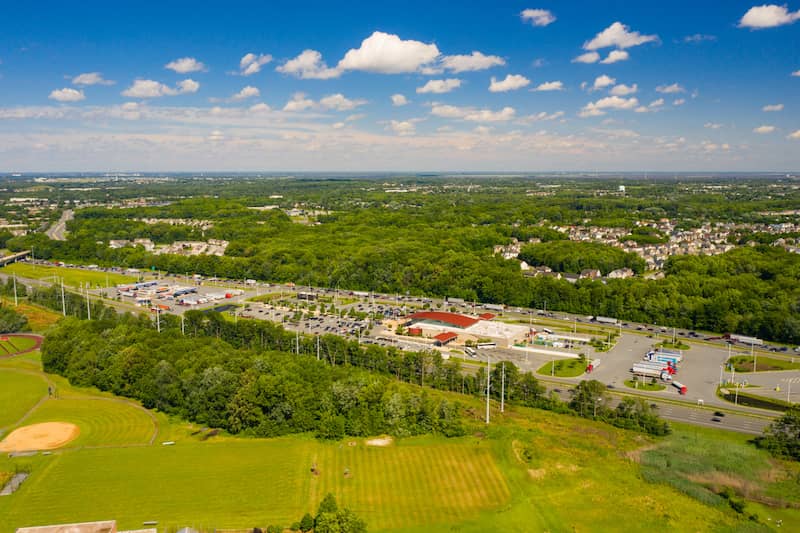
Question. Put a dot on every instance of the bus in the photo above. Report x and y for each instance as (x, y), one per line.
(486, 345)
(471, 351)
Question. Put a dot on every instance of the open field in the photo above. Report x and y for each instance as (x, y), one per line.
(647, 385)
(564, 368)
(532, 471)
(18, 393)
(744, 363)
(73, 277)
(39, 318)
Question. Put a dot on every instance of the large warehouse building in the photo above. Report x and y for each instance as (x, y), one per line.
(433, 323)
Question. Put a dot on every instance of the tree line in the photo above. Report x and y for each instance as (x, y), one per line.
(256, 378)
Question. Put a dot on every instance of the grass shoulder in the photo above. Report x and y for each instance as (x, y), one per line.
(564, 368)
(645, 386)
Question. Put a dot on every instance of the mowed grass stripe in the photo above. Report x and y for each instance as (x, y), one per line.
(230, 484)
(19, 392)
(449, 478)
(102, 422)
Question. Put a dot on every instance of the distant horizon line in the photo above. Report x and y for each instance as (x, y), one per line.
(589, 173)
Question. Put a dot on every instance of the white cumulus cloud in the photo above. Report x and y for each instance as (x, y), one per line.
(439, 86)
(588, 57)
(537, 17)
(624, 90)
(251, 63)
(388, 54)
(603, 81)
(772, 107)
(471, 62)
(764, 129)
(299, 102)
(473, 114)
(185, 64)
(615, 56)
(619, 36)
(549, 86)
(246, 92)
(67, 94)
(309, 65)
(595, 109)
(712, 125)
(512, 82)
(768, 16)
(399, 100)
(339, 102)
(91, 78)
(679, 101)
(796, 73)
(154, 89)
(670, 89)
(795, 135)
(403, 127)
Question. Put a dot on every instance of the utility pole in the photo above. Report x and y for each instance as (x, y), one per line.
(317, 347)
(754, 355)
(503, 388)
(158, 319)
(297, 341)
(88, 304)
(63, 302)
(16, 302)
(488, 380)
(183, 330)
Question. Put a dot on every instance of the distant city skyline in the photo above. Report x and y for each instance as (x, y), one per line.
(547, 86)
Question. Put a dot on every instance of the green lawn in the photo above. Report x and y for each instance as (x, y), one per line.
(18, 393)
(646, 386)
(744, 363)
(73, 277)
(564, 368)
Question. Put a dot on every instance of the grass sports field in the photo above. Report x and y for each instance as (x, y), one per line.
(19, 392)
(529, 471)
(13, 344)
(73, 277)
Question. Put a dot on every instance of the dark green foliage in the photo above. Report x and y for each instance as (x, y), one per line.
(782, 437)
(569, 256)
(243, 390)
(306, 523)
(331, 519)
(11, 321)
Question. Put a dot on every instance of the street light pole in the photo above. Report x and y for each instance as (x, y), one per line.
(488, 380)
(503, 388)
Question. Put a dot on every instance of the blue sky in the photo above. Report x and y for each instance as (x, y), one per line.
(627, 85)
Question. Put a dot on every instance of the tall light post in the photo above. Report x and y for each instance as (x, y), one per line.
(488, 380)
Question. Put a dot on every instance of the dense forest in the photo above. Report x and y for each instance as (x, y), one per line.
(253, 377)
(568, 256)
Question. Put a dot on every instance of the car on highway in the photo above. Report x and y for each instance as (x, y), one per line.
(719, 413)
(716, 419)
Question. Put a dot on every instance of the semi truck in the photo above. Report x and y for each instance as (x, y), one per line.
(680, 386)
(658, 365)
(494, 307)
(606, 320)
(592, 366)
(752, 341)
(641, 370)
(664, 357)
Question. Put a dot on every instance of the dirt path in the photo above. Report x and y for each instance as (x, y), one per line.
(44, 436)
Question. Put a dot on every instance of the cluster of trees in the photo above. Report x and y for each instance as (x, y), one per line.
(11, 321)
(570, 256)
(782, 437)
(590, 399)
(263, 393)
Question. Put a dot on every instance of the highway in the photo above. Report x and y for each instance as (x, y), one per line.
(58, 231)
